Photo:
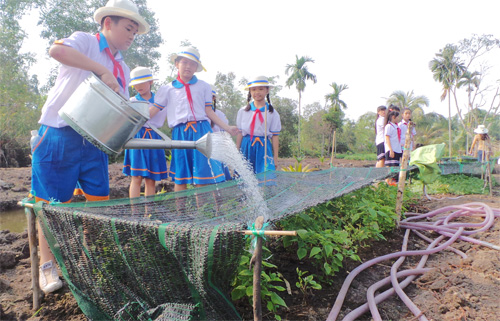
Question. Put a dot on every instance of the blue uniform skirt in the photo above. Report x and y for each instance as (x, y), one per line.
(61, 160)
(147, 163)
(254, 151)
(189, 166)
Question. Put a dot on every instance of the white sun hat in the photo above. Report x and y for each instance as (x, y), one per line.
(214, 92)
(190, 53)
(122, 8)
(257, 82)
(140, 75)
(481, 129)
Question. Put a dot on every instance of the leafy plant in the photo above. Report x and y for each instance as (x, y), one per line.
(298, 168)
(270, 278)
(332, 231)
(306, 283)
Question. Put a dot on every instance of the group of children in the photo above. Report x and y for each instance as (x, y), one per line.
(63, 159)
(390, 129)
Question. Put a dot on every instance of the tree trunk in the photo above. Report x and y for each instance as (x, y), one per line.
(298, 130)
(449, 123)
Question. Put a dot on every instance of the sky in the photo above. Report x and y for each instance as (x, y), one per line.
(374, 47)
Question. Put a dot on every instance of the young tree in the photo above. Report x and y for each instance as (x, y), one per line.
(335, 115)
(447, 68)
(299, 74)
(19, 108)
(229, 98)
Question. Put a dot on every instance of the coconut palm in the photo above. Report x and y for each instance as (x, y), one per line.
(447, 69)
(335, 115)
(470, 81)
(408, 100)
(298, 76)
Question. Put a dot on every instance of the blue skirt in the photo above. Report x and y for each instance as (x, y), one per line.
(147, 163)
(189, 166)
(254, 152)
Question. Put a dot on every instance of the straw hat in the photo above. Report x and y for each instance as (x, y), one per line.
(481, 129)
(257, 82)
(140, 75)
(189, 53)
(122, 8)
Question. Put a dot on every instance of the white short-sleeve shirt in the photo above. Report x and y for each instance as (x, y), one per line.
(404, 128)
(175, 101)
(69, 78)
(244, 121)
(379, 125)
(391, 130)
(223, 117)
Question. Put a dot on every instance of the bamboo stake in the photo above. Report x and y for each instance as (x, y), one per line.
(257, 272)
(33, 243)
(272, 233)
(402, 172)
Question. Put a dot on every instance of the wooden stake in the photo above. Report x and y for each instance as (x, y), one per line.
(402, 172)
(33, 243)
(257, 272)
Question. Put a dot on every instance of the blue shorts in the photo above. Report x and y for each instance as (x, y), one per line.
(189, 166)
(147, 163)
(254, 151)
(61, 160)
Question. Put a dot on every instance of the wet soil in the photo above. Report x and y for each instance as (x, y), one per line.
(457, 289)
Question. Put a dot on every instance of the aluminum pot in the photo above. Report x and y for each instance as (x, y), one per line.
(102, 116)
(109, 121)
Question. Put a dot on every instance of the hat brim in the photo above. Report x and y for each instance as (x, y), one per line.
(133, 83)
(257, 85)
(110, 11)
(200, 66)
(481, 131)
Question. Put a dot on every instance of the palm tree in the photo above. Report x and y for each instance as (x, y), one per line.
(447, 69)
(470, 80)
(408, 100)
(335, 114)
(299, 75)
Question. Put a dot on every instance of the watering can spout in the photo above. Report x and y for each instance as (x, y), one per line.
(203, 145)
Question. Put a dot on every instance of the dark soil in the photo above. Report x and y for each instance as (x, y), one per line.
(457, 289)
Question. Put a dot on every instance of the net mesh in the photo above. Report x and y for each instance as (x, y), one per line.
(465, 165)
(173, 256)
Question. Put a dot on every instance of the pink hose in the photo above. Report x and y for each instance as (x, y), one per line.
(441, 225)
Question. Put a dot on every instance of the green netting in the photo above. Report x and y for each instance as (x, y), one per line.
(173, 256)
(466, 165)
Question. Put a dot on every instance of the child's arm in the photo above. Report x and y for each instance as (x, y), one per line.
(388, 141)
(239, 138)
(73, 58)
(276, 147)
(233, 130)
(473, 144)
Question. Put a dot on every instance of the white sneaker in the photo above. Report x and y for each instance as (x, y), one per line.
(49, 280)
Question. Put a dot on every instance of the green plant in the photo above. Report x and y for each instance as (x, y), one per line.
(332, 231)
(299, 158)
(243, 284)
(306, 283)
(298, 168)
(322, 159)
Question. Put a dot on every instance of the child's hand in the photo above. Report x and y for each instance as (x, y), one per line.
(233, 130)
(391, 154)
(110, 81)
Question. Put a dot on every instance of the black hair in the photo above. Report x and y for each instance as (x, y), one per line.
(116, 19)
(214, 107)
(379, 108)
(390, 115)
(394, 107)
(271, 108)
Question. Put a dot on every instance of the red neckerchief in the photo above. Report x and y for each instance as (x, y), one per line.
(252, 125)
(188, 93)
(116, 65)
(398, 130)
